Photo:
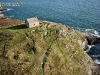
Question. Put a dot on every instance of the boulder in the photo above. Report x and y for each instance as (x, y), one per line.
(92, 39)
(83, 44)
(2, 16)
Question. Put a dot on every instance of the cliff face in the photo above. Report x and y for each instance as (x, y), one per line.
(48, 49)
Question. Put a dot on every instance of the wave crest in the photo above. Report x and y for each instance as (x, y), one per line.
(90, 31)
(8, 9)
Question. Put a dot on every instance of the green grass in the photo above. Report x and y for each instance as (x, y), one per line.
(23, 46)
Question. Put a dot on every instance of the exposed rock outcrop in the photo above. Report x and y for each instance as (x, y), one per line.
(2, 16)
(83, 44)
(92, 40)
(44, 49)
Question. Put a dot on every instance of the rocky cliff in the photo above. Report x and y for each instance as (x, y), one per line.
(48, 49)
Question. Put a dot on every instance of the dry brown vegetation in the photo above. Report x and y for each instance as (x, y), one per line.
(8, 22)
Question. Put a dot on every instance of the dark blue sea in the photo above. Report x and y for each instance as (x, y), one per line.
(82, 15)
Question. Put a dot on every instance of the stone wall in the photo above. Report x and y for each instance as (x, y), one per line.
(32, 22)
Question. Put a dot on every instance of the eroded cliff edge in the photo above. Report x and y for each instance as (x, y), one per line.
(47, 49)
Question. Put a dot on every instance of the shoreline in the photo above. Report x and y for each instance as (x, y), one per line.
(65, 35)
(5, 21)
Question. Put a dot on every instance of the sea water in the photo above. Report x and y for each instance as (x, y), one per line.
(82, 15)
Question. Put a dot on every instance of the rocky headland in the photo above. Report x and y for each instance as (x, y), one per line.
(5, 21)
(48, 49)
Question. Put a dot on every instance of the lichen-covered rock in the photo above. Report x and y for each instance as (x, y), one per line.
(83, 44)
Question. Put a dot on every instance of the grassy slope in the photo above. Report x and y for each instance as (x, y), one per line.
(23, 50)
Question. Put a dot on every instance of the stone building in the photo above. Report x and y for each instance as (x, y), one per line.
(32, 22)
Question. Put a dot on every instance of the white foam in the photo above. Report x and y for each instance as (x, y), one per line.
(88, 29)
(97, 61)
(96, 33)
(8, 9)
(11, 16)
(89, 46)
(92, 31)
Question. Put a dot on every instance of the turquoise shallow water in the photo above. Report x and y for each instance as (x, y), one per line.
(82, 15)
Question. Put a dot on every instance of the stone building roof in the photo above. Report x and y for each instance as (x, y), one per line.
(32, 20)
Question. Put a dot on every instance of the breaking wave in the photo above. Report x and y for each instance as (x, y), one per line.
(90, 31)
(94, 53)
(8, 9)
(11, 16)
(94, 50)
